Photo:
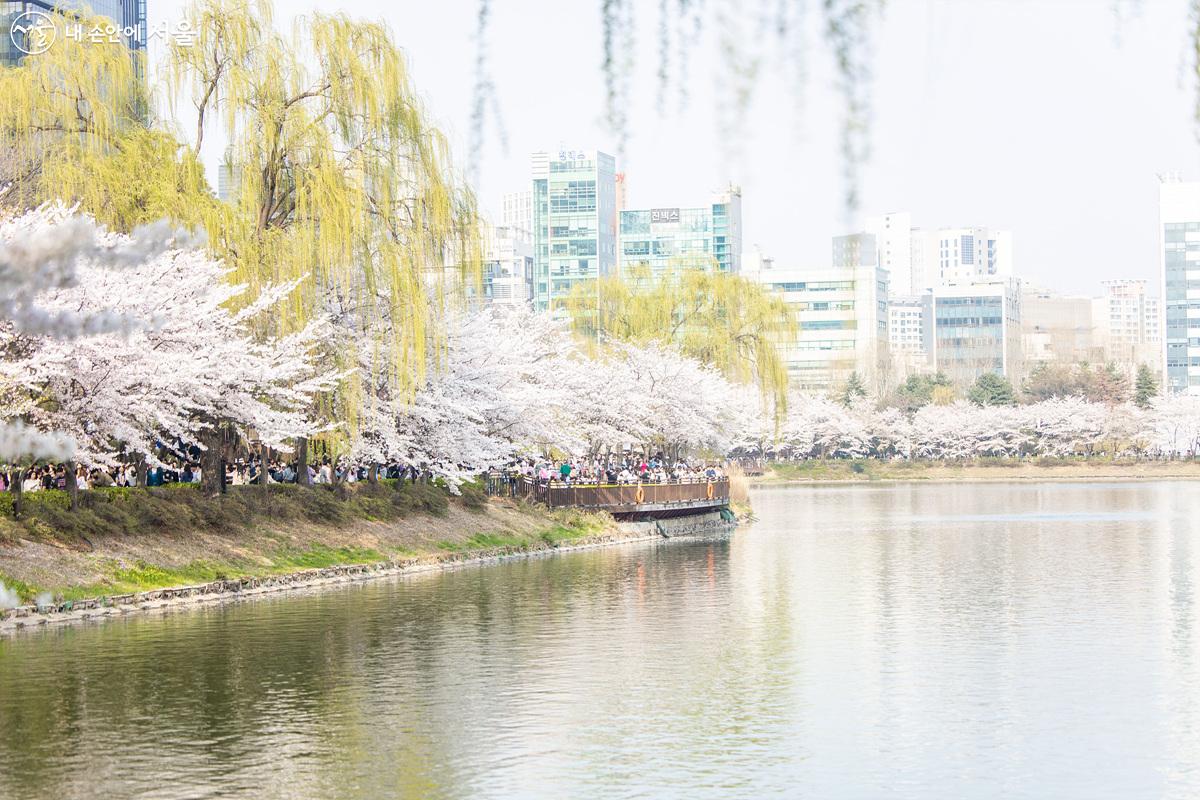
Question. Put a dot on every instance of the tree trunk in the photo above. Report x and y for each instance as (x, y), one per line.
(264, 456)
(18, 490)
(212, 467)
(373, 473)
(72, 485)
(302, 462)
(139, 472)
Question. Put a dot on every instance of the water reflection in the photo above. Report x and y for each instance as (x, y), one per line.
(911, 640)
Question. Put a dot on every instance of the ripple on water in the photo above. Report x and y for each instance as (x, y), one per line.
(1017, 640)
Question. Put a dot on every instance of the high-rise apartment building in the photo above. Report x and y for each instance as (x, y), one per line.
(1126, 325)
(1153, 332)
(574, 222)
(977, 329)
(671, 239)
(1179, 271)
(910, 333)
(128, 19)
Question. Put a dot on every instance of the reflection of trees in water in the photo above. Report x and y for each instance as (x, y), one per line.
(892, 606)
(357, 687)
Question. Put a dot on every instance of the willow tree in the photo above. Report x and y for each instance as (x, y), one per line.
(341, 181)
(715, 317)
(75, 125)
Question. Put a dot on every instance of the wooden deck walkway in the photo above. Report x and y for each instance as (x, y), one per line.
(623, 499)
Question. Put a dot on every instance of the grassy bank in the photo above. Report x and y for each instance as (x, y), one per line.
(987, 469)
(129, 540)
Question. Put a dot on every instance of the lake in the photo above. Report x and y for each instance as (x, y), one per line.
(904, 640)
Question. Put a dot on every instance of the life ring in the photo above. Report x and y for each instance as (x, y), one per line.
(710, 490)
(641, 494)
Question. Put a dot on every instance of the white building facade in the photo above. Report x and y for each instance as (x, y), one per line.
(1127, 327)
(910, 334)
(841, 314)
(508, 266)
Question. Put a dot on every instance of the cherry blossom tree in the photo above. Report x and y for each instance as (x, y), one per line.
(190, 365)
(42, 251)
(1173, 425)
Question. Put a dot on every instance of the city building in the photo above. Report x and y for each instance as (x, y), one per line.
(1179, 271)
(1126, 324)
(128, 18)
(894, 246)
(910, 333)
(965, 254)
(574, 222)
(228, 178)
(854, 249)
(977, 329)
(841, 314)
(1056, 329)
(939, 256)
(1153, 334)
(508, 266)
(518, 210)
(670, 239)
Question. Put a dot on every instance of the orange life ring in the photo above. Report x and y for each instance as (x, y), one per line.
(710, 490)
(641, 494)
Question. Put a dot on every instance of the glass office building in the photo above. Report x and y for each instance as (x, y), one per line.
(1179, 261)
(574, 222)
(977, 329)
(670, 239)
(841, 317)
(129, 16)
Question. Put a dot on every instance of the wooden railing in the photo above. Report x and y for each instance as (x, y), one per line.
(616, 497)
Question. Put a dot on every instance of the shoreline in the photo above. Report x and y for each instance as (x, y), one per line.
(789, 482)
(867, 471)
(29, 618)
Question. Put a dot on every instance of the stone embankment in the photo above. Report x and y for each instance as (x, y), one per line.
(232, 589)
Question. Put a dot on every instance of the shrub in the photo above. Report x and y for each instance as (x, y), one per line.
(473, 496)
(420, 497)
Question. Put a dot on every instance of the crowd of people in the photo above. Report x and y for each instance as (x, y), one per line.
(623, 468)
(238, 472)
(184, 467)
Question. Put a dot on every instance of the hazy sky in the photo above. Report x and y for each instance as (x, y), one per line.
(1046, 117)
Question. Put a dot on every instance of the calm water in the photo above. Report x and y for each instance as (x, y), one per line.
(995, 640)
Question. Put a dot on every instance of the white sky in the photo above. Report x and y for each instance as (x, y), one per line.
(1046, 117)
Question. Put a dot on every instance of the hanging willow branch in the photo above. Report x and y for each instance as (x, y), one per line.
(483, 96)
(617, 38)
(1194, 19)
(847, 28)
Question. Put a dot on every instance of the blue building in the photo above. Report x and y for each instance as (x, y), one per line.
(669, 239)
(1179, 261)
(128, 20)
(977, 329)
